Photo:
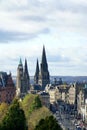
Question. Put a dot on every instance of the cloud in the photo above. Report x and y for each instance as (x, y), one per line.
(66, 61)
(7, 36)
(60, 25)
(29, 19)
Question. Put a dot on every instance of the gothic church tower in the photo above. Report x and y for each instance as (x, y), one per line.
(44, 77)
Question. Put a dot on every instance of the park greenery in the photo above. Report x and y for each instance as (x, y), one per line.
(14, 118)
(26, 115)
(49, 123)
(3, 110)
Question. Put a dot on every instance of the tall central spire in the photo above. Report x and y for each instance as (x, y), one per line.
(44, 77)
(44, 60)
(44, 55)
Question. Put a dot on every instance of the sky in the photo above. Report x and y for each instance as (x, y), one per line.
(59, 25)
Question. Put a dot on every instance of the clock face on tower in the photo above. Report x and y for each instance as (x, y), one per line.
(21, 72)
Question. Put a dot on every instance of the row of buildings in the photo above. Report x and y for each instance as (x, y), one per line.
(70, 94)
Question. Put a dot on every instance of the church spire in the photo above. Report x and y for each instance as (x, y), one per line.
(25, 67)
(36, 73)
(44, 60)
(37, 68)
(44, 77)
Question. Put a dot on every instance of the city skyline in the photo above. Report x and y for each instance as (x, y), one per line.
(61, 26)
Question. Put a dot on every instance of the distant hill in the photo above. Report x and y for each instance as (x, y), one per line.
(68, 79)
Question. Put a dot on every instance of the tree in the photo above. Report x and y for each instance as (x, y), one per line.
(37, 115)
(15, 118)
(3, 110)
(49, 123)
(30, 103)
(36, 104)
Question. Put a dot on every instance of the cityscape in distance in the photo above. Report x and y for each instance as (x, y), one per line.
(43, 64)
(68, 79)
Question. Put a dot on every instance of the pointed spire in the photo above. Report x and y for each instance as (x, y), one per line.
(43, 73)
(36, 73)
(44, 65)
(37, 68)
(20, 66)
(25, 67)
(20, 62)
(44, 60)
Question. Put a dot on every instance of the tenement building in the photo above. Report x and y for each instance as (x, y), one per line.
(23, 80)
(7, 88)
(65, 93)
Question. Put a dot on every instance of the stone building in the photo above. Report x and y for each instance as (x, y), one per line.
(23, 80)
(82, 102)
(72, 94)
(45, 99)
(7, 88)
(65, 93)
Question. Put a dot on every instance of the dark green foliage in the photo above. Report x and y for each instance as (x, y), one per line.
(37, 115)
(49, 123)
(35, 104)
(15, 118)
(30, 103)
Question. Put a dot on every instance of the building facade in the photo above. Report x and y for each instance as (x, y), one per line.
(23, 80)
(45, 99)
(65, 93)
(7, 88)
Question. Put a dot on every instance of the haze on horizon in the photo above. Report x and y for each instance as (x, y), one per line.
(27, 25)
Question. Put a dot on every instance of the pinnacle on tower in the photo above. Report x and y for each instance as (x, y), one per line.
(20, 66)
(37, 68)
(36, 73)
(25, 67)
(20, 62)
(44, 60)
(44, 56)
